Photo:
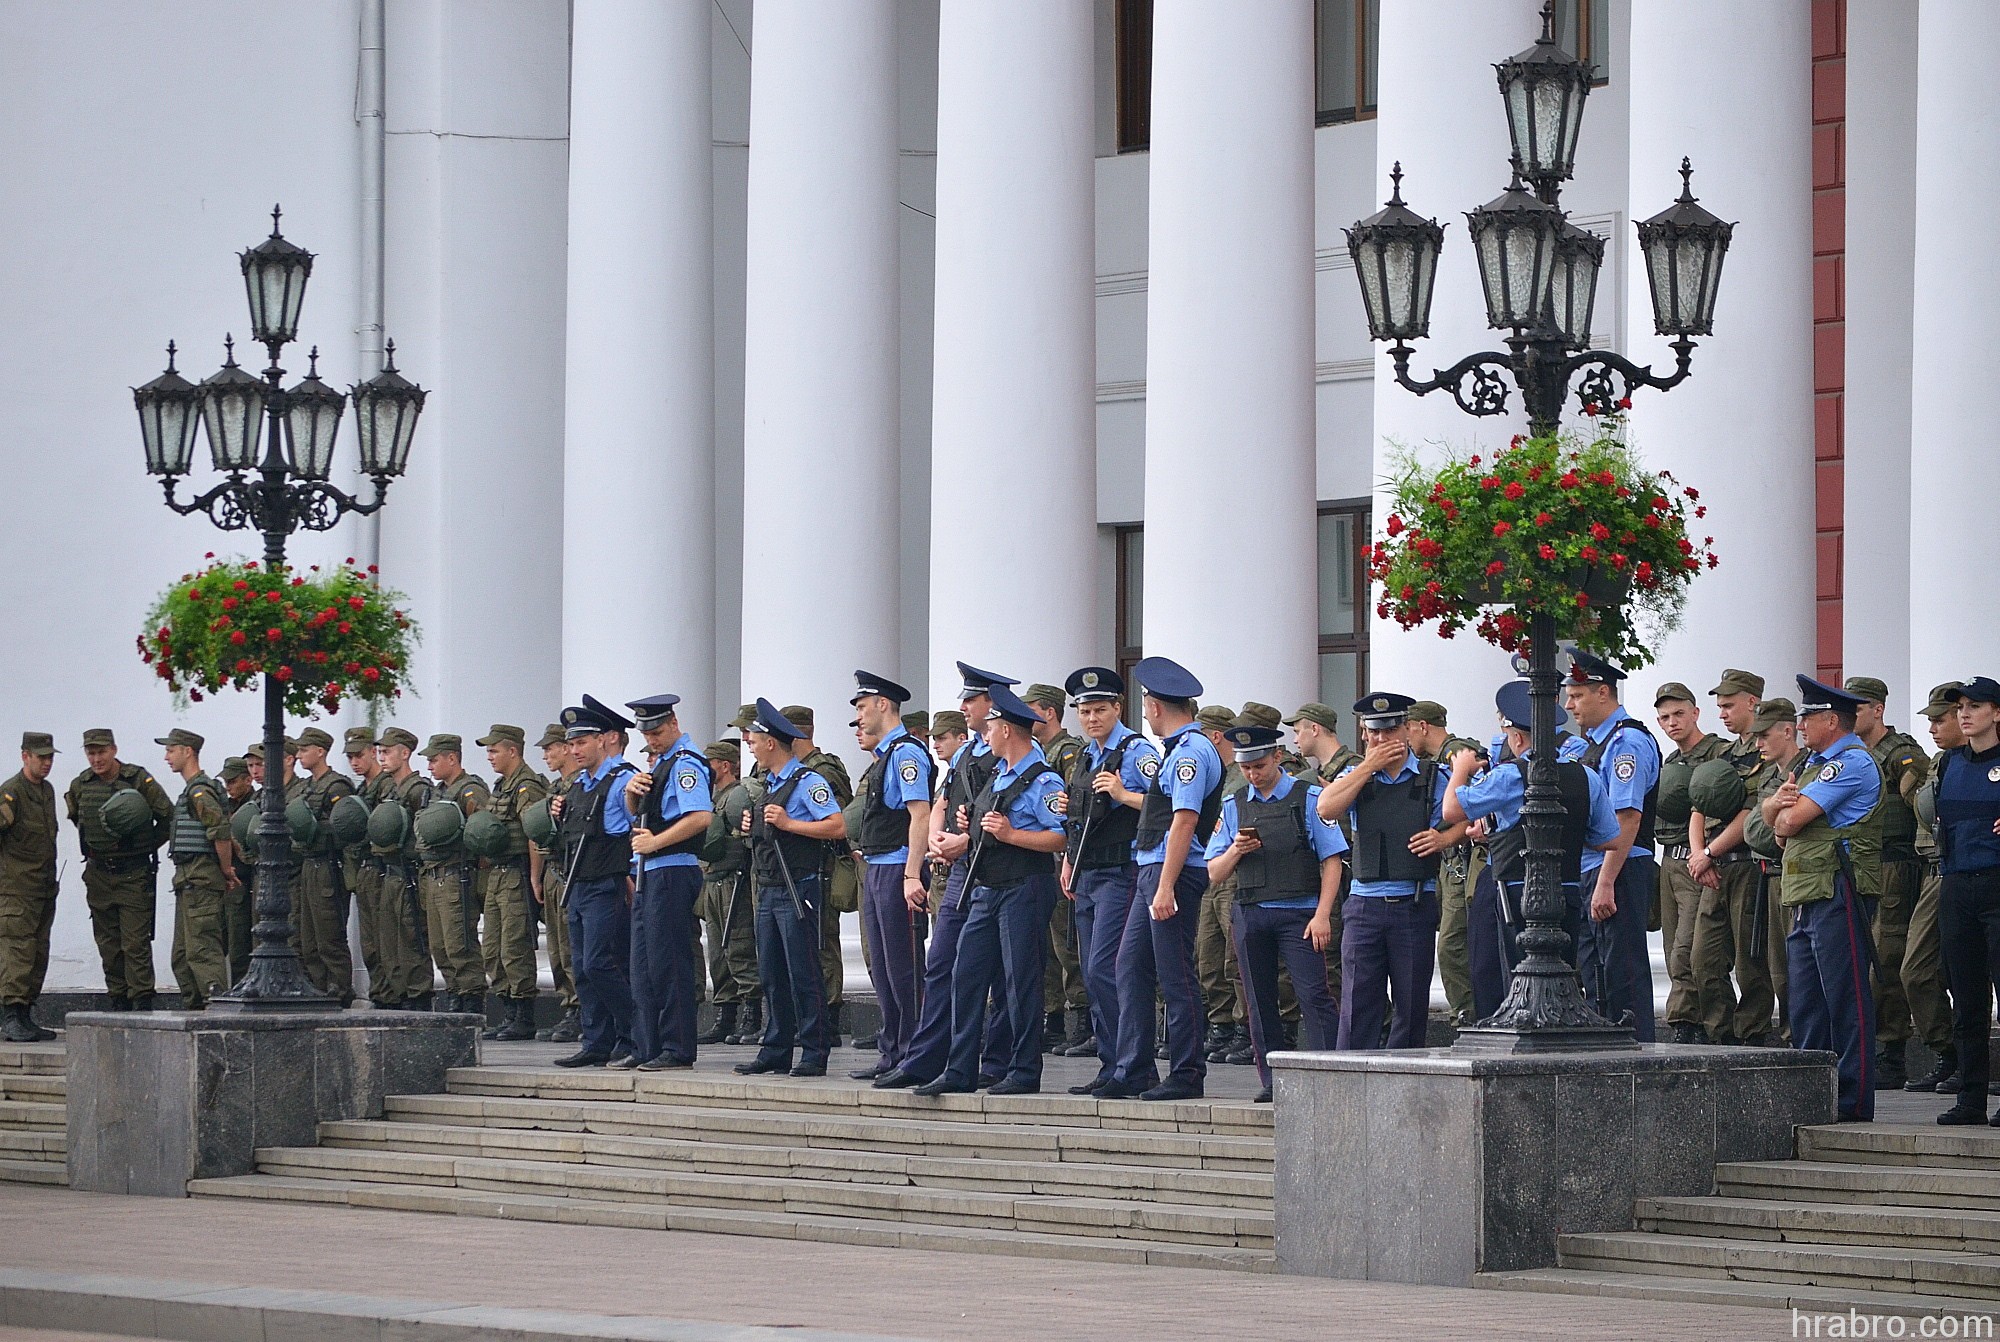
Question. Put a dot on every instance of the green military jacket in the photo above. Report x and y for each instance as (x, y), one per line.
(1062, 753)
(512, 795)
(201, 820)
(413, 794)
(320, 794)
(725, 852)
(86, 797)
(1812, 858)
(27, 839)
(1343, 760)
(469, 793)
(1905, 768)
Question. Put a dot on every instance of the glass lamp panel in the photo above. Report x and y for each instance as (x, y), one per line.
(231, 415)
(312, 424)
(1372, 267)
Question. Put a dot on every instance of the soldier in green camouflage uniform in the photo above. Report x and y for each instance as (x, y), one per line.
(840, 880)
(238, 913)
(120, 876)
(1724, 866)
(361, 876)
(319, 895)
(1430, 738)
(726, 903)
(27, 887)
(400, 931)
(1923, 958)
(1775, 726)
(1062, 979)
(1905, 768)
(1679, 898)
(204, 868)
(562, 769)
(1316, 728)
(508, 931)
(448, 881)
(1215, 967)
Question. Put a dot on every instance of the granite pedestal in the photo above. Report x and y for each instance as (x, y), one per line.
(158, 1098)
(1426, 1165)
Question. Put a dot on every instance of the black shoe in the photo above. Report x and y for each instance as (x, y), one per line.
(752, 1031)
(896, 1080)
(1118, 1090)
(664, 1063)
(569, 1029)
(1007, 1085)
(1946, 1070)
(1095, 1086)
(1970, 1109)
(117, 1002)
(944, 1085)
(444, 1004)
(15, 1027)
(42, 1032)
(1262, 1097)
(520, 1024)
(1891, 1071)
(875, 1073)
(472, 1004)
(866, 1041)
(1221, 1038)
(1054, 1032)
(1288, 1031)
(725, 1025)
(1079, 1034)
(142, 1001)
(1688, 1033)
(1244, 1054)
(1171, 1089)
(1085, 1047)
(584, 1059)
(762, 1066)
(989, 1079)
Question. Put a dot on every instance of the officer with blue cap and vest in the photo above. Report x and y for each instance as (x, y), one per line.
(895, 829)
(788, 837)
(1967, 831)
(1115, 771)
(1394, 805)
(1176, 818)
(594, 831)
(1826, 815)
(672, 804)
(1614, 963)
(1286, 860)
(1010, 889)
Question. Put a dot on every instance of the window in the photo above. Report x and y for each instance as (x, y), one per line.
(1129, 629)
(1583, 29)
(1133, 49)
(1343, 603)
(1346, 42)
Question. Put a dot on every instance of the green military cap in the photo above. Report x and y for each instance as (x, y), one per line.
(1739, 682)
(359, 739)
(1940, 704)
(949, 720)
(442, 743)
(1045, 696)
(731, 751)
(1867, 687)
(746, 717)
(1254, 714)
(234, 767)
(37, 743)
(917, 723)
(291, 745)
(396, 736)
(501, 731)
(315, 736)
(799, 716)
(98, 736)
(1319, 713)
(1673, 689)
(179, 736)
(1427, 710)
(1773, 713)
(1216, 717)
(254, 751)
(552, 735)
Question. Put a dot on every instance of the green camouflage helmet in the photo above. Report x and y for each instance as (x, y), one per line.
(305, 825)
(1716, 790)
(243, 829)
(388, 826)
(1673, 805)
(539, 824)
(1926, 804)
(484, 834)
(348, 821)
(127, 815)
(440, 824)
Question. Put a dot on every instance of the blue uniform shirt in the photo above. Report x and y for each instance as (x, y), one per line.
(687, 794)
(1037, 808)
(1568, 748)
(1844, 781)
(1190, 770)
(1379, 889)
(905, 763)
(1327, 840)
(617, 816)
(1497, 794)
(1141, 764)
(1630, 769)
(812, 799)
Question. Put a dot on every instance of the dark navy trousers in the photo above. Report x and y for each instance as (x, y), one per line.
(930, 1044)
(1103, 899)
(891, 930)
(1159, 957)
(1616, 967)
(666, 964)
(1828, 958)
(1494, 947)
(1969, 917)
(1002, 952)
(788, 964)
(1388, 948)
(1264, 937)
(600, 939)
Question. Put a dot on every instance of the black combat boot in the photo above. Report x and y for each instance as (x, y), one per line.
(752, 1031)
(1892, 1070)
(142, 1001)
(15, 1027)
(421, 1002)
(1969, 1109)
(1242, 1052)
(1946, 1070)
(569, 1029)
(1055, 1034)
(117, 1002)
(473, 1004)
(42, 1033)
(520, 1022)
(724, 1026)
(1221, 1038)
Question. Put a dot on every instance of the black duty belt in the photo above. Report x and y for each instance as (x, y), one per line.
(119, 866)
(1678, 852)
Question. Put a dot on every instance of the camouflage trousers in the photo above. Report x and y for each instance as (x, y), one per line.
(1923, 966)
(451, 916)
(507, 933)
(1678, 899)
(732, 960)
(122, 909)
(1721, 948)
(1062, 979)
(201, 952)
(1456, 876)
(1902, 883)
(319, 928)
(557, 921)
(25, 920)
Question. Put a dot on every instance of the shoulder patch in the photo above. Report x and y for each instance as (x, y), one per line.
(688, 779)
(1830, 772)
(1052, 803)
(908, 773)
(822, 794)
(1149, 767)
(1993, 774)
(1186, 770)
(1624, 767)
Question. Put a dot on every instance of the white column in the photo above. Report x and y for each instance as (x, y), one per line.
(1230, 526)
(820, 455)
(1953, 471)
(1014, 418)
(1740, 429)
(639, 422)
(1442, 119)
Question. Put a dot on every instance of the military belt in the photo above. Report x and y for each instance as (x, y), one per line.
(1678, 852)
(119, 866)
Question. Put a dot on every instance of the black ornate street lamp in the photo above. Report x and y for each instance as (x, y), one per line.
(277, 493)
(1539, 273)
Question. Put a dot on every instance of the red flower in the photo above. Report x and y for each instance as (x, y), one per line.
(1543, 519)
(1599, 532)
(1547, 550)
(1515, 489)
(1489, 482)
(241, 586)
(1687, 546)
(1644, 573)
(356, 602)
(298, 582)
(1618, 561)
(1569, 480)
(1589, 553)
(273, 597)
(1583, 598)
(1590, 408)
(1502, 528)
(371, 674)
(237, 637)
(1692, 492)
(166, 672)
(284, 673)
(1659, 503)
(273, 635)
(371, 568)
(1624, 402)
(229, 603)
(1713, 561)
(1701, 511)
(194, 594)
(350, 667)
(243, 666)
(1653, 521)
(1605, 478)
(1495, 567)
(209, 555)
(345, 627)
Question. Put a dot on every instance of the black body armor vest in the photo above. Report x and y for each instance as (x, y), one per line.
(595, 855)
(802, 856)
(1386, 815)
(1003, 864)
(651, 817)
(884, 828)
(1109, 843)
(1506, 852)
(1286, 866)
(1157, 815)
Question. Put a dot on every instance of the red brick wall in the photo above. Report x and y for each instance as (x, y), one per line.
(1829, 112)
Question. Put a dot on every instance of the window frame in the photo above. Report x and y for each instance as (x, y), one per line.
(1362, 109)
(1132, 74)
(1361, 510)
(1127, 654)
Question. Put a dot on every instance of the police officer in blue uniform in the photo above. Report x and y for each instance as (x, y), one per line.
(1494, 798)
(1156, 952)
(1016, 824)
(1616, 968)
(595, 835)
(1394, 804)
(895, 828)
(672, 805)
(1968, 839)
(1826, 815)
(1286, 860)
(1113, 772)
(788, 838)
(965, 777)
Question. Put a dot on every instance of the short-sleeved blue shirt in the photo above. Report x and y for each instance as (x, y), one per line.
(1497, 794)
(812, 799)
(1141, 764)
(683, 773)
(1630, 768)
(1327, 840)
(1844, 781)
(617, 815)
(1411, 764)
(1038, 806)
(1190, 769)
(905, 767)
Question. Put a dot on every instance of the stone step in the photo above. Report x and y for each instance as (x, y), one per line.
(825, 1163)
(33, 1087)
(1854, 1267)
(34, 1172)
(1903, 1144)
(33, 1144)
(1960, 1229)
(914, 1134)
(37, 1117)
(655, 1215)
(1823, 1300)
(1232, 1227)
(1844, 1181)
(1218, 1117)
(34, 1059)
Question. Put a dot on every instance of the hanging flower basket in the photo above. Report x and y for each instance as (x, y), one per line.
(327, 637)
(1569, 524)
